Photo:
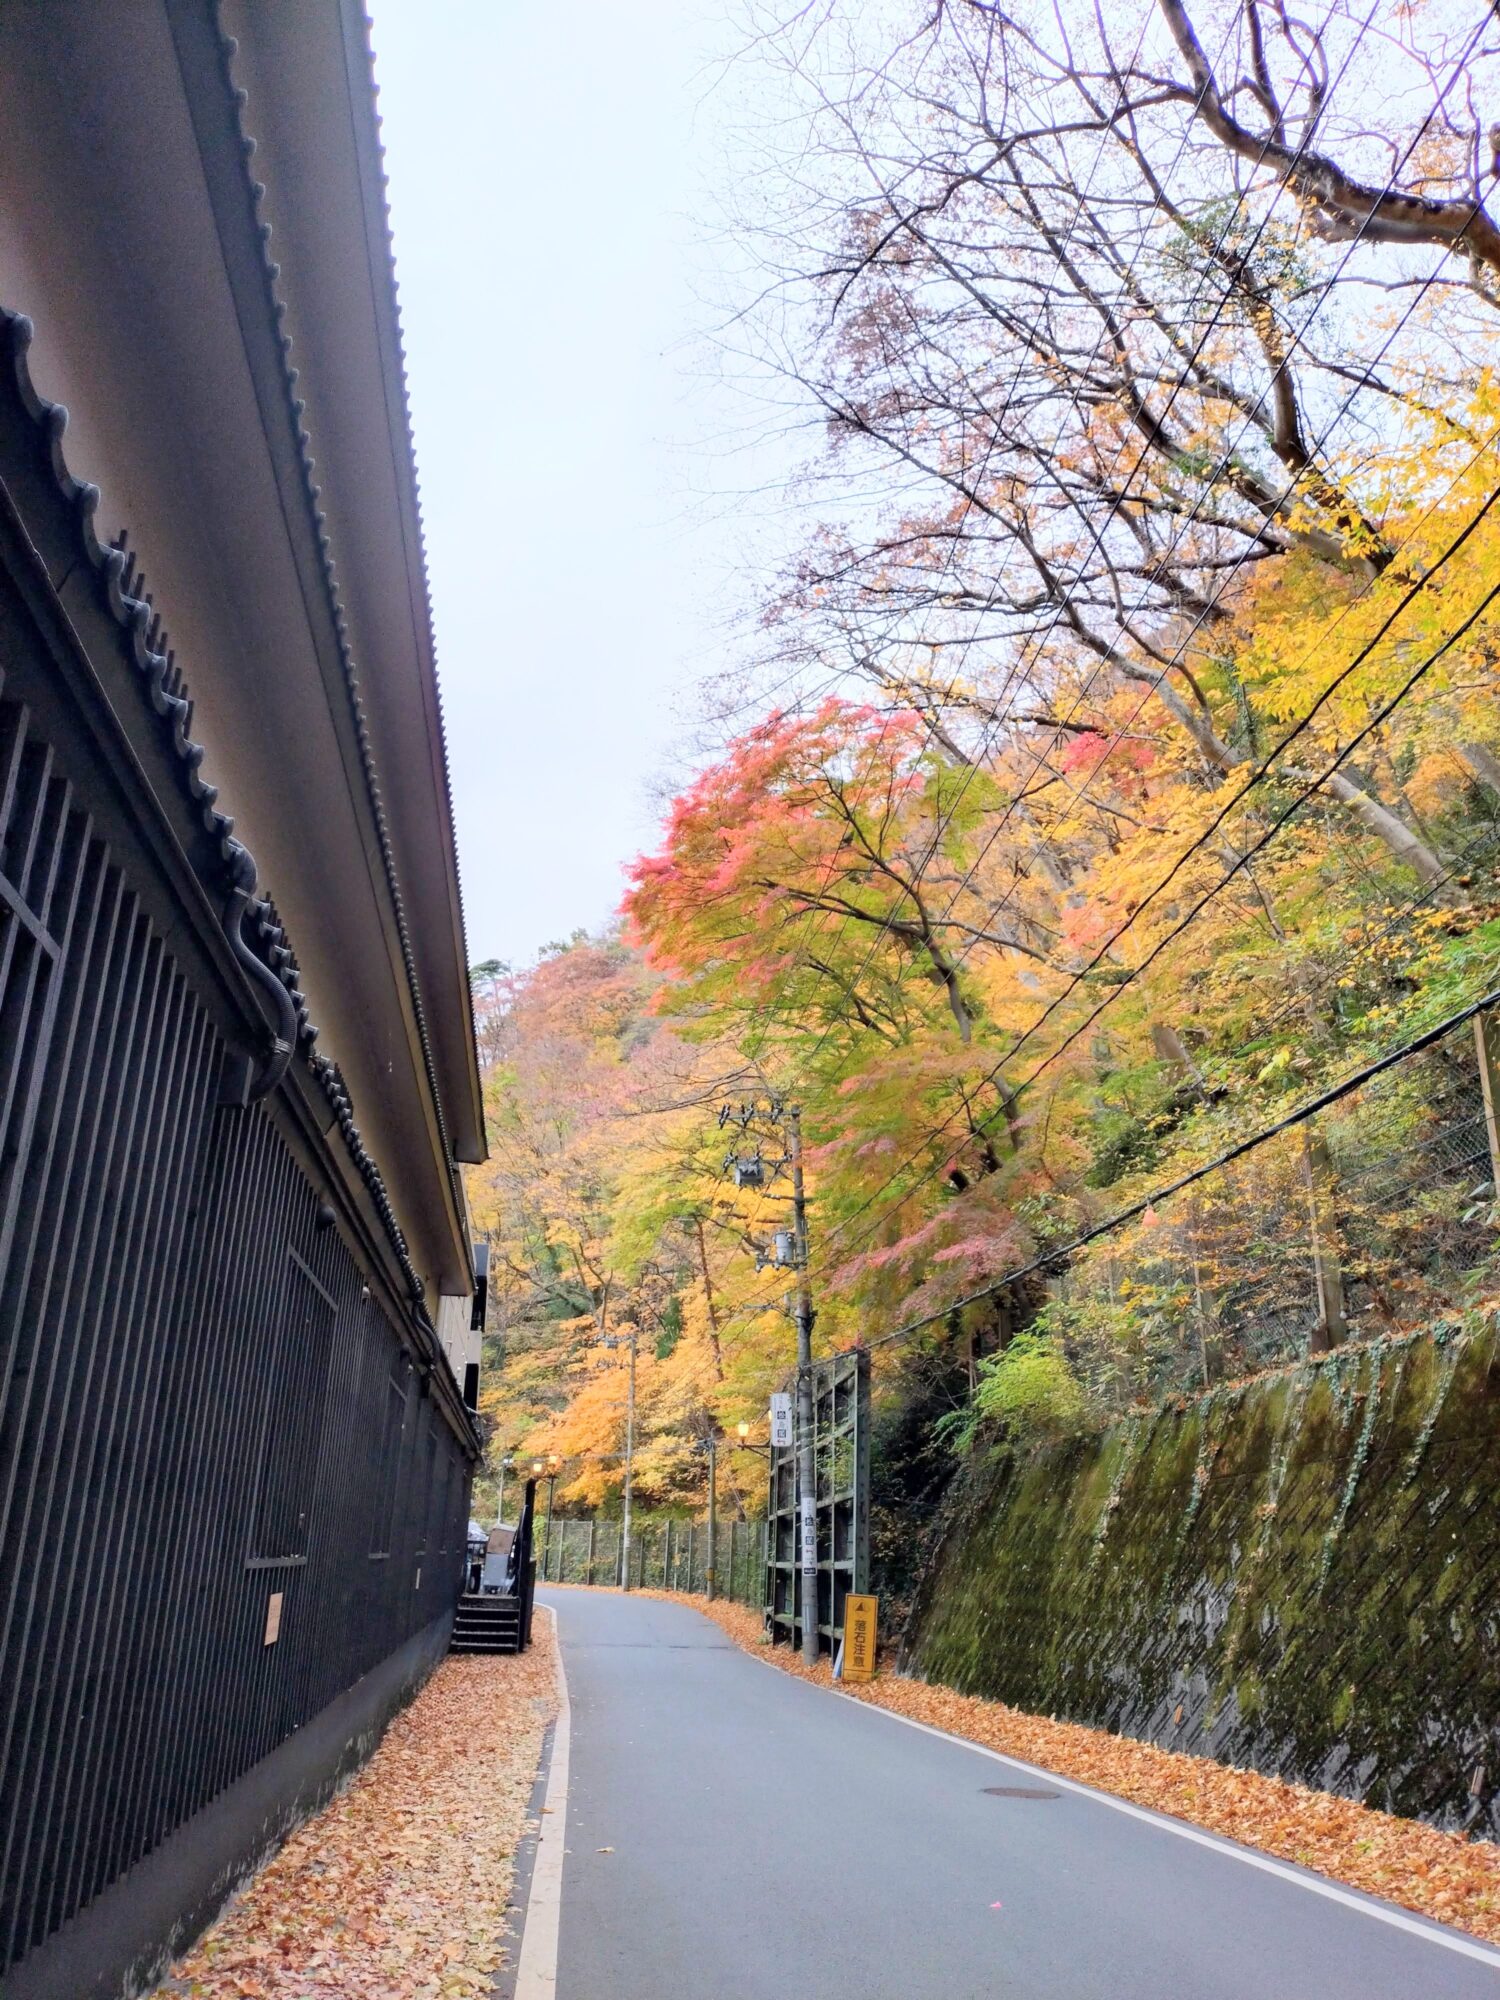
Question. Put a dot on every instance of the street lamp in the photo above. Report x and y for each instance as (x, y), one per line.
(710, 1444)
(742, 1432)
(506, 1465)
(553, 1463)
(790, 1251)
(628, 1340)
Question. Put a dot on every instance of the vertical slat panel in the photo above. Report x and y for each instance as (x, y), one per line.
(98, 1599)
(171, 1414)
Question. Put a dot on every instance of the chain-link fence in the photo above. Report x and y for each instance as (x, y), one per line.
(664, 1555)
(1376, 1214)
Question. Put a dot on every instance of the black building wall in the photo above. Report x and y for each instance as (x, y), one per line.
(233, 1480)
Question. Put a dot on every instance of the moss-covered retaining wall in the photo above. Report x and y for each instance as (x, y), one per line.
(1300, 1575)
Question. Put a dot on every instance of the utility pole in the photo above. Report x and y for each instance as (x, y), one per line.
(629, 1462)
(505, 1465)
(710, 1576)
(807, 1469)
(791, 1249)
(627, 1341)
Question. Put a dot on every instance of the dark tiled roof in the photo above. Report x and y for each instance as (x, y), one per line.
(255, 193)
(164, 688)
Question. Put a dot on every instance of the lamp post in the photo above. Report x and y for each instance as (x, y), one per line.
(538, 1467)
(791, 1252)
(553, 1463)
(710, 1445)
(711, 1575)
(505, 1465)
(742, 1442)
(628, 1340)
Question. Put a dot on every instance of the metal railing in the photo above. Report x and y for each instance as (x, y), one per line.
(665, 1554)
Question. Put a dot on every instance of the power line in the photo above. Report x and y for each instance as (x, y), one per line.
(1117, 502)
(1255, 778)
(1354, 1081)
(1182, 859)
(1223, 584)
(1240, 862)
(1018, 666)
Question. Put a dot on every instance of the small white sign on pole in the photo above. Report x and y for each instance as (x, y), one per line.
(781, 1422)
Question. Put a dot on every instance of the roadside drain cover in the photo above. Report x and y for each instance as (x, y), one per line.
(1018, 1792)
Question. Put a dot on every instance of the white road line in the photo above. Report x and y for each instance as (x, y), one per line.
(536, 1972)
(1367, 1906)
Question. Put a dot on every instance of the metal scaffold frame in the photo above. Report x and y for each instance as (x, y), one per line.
(841, 1453)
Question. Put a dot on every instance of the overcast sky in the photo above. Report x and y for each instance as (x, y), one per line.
(550, 175)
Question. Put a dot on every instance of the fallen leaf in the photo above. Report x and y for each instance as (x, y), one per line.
(398, 1889)
(1437, 1874)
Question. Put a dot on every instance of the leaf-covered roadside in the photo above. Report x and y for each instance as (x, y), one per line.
(1439, 1875)
(398, 1889)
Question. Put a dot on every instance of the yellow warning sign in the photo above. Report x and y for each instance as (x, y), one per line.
(859, 1638)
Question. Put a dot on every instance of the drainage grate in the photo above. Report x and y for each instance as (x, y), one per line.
(1018, 1792)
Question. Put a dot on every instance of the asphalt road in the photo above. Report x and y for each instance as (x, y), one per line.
(731, 1833)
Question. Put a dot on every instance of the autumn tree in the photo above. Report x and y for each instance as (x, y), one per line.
(1099, 339)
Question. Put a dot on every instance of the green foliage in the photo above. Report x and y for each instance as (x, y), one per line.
(1145, 828)
(1337, 1517)
(1028, 1389)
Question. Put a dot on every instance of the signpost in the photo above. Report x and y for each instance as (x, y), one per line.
(781, 1423)
(859, 1637)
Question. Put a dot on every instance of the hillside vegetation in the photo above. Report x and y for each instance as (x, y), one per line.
(1121, 770)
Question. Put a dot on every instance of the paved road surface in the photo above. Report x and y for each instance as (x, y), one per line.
(766, 1841)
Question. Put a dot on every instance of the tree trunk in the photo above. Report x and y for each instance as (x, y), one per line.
(1483, 763)
(1172, 1050)
(1396, 834)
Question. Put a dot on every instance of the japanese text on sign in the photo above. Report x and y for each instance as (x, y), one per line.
(781, 1422)
(859, 1638)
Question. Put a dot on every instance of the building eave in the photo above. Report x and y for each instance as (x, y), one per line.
(342, 317)
(461, 1077)
(131, 236)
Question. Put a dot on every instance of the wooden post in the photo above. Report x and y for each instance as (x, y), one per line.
(666, 1568)
(588, 1572)
(1328, 1274)
(1487, 1048)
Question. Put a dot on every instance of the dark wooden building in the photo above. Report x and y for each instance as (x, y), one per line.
(237, 1068)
